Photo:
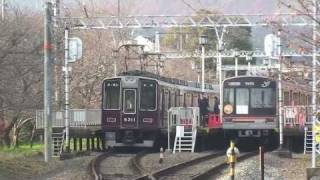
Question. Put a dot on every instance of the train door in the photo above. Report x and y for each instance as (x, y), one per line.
(129, 109)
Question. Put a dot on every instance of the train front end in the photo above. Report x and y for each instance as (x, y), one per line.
(129, 111)
(249, 106)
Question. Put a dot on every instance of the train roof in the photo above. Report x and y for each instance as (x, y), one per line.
(245, 76)
(184, 85)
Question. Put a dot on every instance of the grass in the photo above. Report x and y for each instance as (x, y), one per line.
(23, 150)
(23, 162)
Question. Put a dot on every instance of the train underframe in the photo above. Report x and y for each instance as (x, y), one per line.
(131, 138)
(251, 138)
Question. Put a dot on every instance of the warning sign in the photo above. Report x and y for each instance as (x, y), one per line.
(316, 128)
(318, 138)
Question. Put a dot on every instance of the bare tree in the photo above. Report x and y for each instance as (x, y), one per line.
(20, 68)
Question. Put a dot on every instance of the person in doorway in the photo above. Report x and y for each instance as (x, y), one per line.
(203, 104)
(216, 109)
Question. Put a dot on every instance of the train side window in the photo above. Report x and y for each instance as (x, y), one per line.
(172, 99)
(286, 98)
(188, 99)
(166, 99)
(262, 98)
(148, 95)
(309, 98)
(177, 99)
(195, 100)
(303, 99)
(161, 99)
(183, 99)
(295, 99)
(111, 95)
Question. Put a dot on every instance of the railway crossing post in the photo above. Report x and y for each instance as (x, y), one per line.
(262, 162)
(232, 154)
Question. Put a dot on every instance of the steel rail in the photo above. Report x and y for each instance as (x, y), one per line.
(94, 166)
(177, 167)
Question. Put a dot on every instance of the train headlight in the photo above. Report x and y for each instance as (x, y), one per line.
(228, 109)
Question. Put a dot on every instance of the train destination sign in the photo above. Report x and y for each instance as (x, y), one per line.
(263, 84)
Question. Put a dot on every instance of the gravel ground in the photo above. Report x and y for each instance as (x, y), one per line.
(151, 161)
(276, 168)
(72, 169)
(34, 168)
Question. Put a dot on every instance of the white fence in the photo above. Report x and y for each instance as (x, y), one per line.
(77, 118)
(184, 116)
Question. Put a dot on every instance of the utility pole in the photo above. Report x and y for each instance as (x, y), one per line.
(48, 81)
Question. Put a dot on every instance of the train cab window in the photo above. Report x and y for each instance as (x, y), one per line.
(129, 101)
(148, 95)
(111, 95)
(242, 101)
(228, 96)
(262, 98)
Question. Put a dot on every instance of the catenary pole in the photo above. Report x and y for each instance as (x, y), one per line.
(66, 86)
(48, 81)
(2, 9)
(202, 67)
(314, 82)
(280, 91)
(219, 65)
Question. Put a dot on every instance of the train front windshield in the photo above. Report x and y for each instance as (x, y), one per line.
(111, 99)
(240, 98)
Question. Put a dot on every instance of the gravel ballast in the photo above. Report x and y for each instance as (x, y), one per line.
(276, 168)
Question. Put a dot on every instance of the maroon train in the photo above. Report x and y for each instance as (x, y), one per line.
(135, 105)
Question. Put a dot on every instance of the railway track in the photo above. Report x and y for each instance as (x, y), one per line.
(110, 165)
(200, 168)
